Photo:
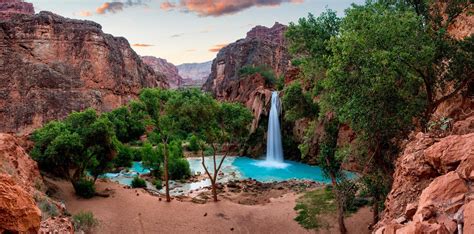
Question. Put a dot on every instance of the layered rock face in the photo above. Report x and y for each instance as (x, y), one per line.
(433, 183)
(8, 8)
(194, 74)
(51, 66)
(169, 70)
(262, 47)
(19, 177)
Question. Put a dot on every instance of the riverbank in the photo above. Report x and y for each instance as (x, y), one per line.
(137, 211)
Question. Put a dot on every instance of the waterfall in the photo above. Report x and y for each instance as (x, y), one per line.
(274, 146)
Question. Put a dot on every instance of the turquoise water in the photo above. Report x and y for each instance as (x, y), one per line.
(235, 168)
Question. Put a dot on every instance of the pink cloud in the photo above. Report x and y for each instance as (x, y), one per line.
(217, 47)
(223, 7)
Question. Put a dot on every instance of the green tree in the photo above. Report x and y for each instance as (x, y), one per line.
(128, 125)
(230, 126)
(82, 141)
(297, 104)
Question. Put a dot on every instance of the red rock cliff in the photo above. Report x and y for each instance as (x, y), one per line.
(169, 70)
(8, 8)
(51, 65)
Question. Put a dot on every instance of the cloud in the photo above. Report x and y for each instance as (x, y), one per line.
(191, 50)
(142, 45)
(114, 7)
(217, 47)
(167, 6)
(177, 35)
(223, 7)
(85, 13)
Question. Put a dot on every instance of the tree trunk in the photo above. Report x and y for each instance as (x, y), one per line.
(339, 202)
(340, 218)
(167, 188)
(214, 190)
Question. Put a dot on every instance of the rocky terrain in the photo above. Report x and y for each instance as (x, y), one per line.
(194, 74)
(8, 8)
(433, 182)
(169, 70)
(51, 65)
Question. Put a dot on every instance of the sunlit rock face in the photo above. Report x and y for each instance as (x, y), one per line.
(51, 66)
(169, 70)
(8, 8)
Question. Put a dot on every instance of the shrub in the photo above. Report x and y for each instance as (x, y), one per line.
(267, 73)
(124, 157)
(47, 208)
(137, 154)
(193, 144)
(138, 182)
(84, 188)
(84, 221)
(158, 184)
(178, 168)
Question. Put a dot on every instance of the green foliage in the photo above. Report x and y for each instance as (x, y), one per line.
(313, 206)
(280, 83)
(137, 154)
(152, 157)
(129, 126)
(327, 160)
(179, 168)
(193, 144)
(84, 188)
(82, 141)
(124, 157)
(308, 41)
(138, 182)
(84, 221)
(266, 72)
(158, 184)
(298, 105)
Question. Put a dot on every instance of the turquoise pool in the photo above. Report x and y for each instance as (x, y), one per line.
(233, 168)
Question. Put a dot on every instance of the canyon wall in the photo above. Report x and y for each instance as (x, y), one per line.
(194, 74)
(169, 70)
(8, 8)
(51, 66)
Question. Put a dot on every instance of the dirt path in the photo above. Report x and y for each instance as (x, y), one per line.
(135, 211)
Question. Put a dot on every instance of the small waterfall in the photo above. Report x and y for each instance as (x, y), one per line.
(274, 147)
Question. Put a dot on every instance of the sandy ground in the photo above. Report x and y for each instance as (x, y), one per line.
(136, 211)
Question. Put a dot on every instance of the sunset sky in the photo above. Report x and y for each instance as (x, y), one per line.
(183, 31)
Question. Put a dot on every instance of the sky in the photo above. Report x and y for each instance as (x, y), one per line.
(185, 31)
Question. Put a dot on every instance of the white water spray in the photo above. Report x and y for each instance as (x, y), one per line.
(274, 146)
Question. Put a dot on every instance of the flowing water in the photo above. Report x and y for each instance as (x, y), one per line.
(274, 157)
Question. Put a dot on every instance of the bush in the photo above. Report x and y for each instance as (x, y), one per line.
(158, 184)
(48, 209)
(124, 157)
(84, 221)
(84, 188)
(178, 168)
(138, 182)
(267, 73)
(137, 154)
(193, 144)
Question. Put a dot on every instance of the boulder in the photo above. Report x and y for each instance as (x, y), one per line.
(469, 218)
(18, 211)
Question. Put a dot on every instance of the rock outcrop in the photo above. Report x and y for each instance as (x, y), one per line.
(194, 74)
(18, 211)
(169, 70)
(8, 8)
(262, 47)
(433, 186)
(51, 66)
(15, 162)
